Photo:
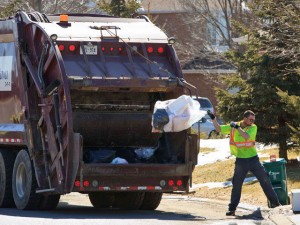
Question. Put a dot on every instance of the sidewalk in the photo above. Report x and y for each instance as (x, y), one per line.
(284, 215)
(295, 218)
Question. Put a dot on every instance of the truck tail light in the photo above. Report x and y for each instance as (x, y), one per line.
(150, 49)
(72, 48)
(179, 183)
(160, 50)
(171, 183)
(86, 183)
(77, 183)
(61, 47)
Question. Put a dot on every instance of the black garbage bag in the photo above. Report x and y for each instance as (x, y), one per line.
(160, 119)
(98, 156)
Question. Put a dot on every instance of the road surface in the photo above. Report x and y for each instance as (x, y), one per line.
(75, 209)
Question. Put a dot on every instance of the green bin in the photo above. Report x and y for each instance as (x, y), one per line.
(278, 178)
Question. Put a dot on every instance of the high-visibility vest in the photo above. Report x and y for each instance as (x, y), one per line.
(240, 147)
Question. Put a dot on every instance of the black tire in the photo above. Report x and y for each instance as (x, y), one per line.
(7, 159)
(129, 200)
(24, 183)
(49, 202)
(102, 200)
(151, 200)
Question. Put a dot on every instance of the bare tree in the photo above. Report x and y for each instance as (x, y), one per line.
(47, 6)
(218, 16)
(211, 25)
(67, 6)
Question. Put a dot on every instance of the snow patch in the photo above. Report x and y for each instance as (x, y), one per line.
(221, 184)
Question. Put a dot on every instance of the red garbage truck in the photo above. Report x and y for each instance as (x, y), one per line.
(77, 94)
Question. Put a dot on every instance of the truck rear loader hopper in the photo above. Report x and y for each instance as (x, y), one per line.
(77, 95)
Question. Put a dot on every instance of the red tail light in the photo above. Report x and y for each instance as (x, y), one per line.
(103, 49)
(86, 183)
(72, 48)
(179, 182)
(160, 50)
(150, 49)
(77, 183)
(171, 182)
(120, 49)
(61, 47)
(111, 49)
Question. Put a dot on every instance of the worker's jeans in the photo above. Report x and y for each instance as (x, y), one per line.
(242, 166)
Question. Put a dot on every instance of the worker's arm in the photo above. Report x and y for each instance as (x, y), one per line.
(214, 120)
(216, 125)
(243, 133)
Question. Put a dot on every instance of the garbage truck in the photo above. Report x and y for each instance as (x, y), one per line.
(77, 93)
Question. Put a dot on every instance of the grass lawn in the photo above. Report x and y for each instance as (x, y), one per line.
(252, 193)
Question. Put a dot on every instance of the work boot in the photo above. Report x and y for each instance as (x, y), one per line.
(230, 213)
(275, 205)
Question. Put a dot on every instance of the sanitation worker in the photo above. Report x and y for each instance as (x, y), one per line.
(242, 146)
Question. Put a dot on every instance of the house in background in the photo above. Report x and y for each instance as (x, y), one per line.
(200, 63)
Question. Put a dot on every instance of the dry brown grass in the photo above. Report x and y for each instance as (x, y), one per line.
(251, 192)
(207, 150)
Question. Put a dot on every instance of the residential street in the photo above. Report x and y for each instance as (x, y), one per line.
(75, 209)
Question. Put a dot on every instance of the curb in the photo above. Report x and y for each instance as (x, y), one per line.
(280, 220)
(242, 206)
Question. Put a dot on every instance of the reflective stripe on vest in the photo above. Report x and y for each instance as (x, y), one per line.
(244, 144)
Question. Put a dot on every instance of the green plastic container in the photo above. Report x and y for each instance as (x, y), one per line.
(278, 178)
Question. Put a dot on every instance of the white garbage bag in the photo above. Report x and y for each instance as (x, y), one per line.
(119, 160)
(183, 112)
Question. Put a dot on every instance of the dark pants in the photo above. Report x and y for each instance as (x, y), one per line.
(242, 166)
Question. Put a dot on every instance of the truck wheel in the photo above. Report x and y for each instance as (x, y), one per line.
(101, 200)
(151, 200)
(129, 200)
(7, 159)
(24, 183)
(49, 202)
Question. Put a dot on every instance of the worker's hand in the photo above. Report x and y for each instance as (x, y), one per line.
(211, 115)
(234, 125)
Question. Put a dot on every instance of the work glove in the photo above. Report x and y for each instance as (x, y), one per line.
(160, 119)
(234, 125)
(211, 115)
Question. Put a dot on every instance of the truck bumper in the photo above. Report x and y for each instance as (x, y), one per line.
(133, 177)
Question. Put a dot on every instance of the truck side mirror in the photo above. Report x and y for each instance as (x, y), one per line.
(203, 120)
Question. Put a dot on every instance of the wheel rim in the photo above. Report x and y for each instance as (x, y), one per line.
(21, 180)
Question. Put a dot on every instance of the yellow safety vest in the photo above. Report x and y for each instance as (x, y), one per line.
(239, 146)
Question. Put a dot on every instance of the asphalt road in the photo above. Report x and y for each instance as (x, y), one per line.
(75, 209)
